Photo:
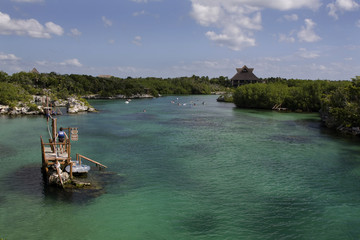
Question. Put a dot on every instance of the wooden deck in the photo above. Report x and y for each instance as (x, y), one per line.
(53, 151)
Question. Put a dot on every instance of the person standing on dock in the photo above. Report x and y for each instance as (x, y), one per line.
(61, 135)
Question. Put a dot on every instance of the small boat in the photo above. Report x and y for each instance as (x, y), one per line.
(126, 102)
(78, 168)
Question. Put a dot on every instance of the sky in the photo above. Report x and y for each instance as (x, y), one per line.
(303, 39)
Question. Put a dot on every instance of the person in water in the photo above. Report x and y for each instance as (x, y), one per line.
(61, 135)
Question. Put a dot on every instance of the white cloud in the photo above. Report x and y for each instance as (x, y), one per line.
(283, 5)
(75, 32)
(137, 41)
(71, 62)
(28, 27)
(206, 15)
(342, 6)
(304, 53)
(107, 22)
(8, 57)
(236, 23)
(286, 38)
(307, 34)
(54, 28)
(292, 17)
(237, 20)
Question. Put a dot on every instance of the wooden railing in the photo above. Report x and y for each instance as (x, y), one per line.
(79, 157)
(50, 152)
(50, 156)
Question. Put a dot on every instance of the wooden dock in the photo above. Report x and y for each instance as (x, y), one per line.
(54, 152)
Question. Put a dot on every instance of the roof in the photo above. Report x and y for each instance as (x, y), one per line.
(34, 70)
(105, 76)
(244, 73)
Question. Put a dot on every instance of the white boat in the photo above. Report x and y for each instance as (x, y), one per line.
(77, 168)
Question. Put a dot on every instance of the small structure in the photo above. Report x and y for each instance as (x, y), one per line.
(243, 76)
(56, 157)
(105, 76)
(34, 70)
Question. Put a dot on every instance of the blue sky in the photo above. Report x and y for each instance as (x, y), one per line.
(306, 39)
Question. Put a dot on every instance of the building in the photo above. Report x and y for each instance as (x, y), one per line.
(243, 76)
(105, 76)
(34, 70)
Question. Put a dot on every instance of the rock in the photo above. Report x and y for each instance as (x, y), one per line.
(54, 178)
(75, 106)
(39, 99)
(79, 184)
(4, 109)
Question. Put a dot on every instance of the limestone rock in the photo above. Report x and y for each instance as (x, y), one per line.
(74, 106)
(4, 109)
(54, 178)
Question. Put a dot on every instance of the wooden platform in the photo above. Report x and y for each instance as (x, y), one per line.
(53, 152)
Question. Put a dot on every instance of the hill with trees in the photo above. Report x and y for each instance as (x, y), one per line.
(63, 86)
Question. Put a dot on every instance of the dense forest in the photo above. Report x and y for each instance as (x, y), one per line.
(20, 86)
(337, 101)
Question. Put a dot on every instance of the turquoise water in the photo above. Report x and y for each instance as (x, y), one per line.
(203, 171)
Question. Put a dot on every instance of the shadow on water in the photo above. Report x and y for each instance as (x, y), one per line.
(200, 223)
(29, 180)
(291, 139)
(282, 216)
(6, 150)
(2, 200)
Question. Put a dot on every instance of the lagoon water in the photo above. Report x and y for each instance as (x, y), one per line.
(203, 171)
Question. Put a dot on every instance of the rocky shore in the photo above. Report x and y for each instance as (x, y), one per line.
(72, 104)
(330, 122)
(38, 107)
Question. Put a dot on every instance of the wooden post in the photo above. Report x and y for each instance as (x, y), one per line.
(68, 147)
(71, 170)
(42, 150)
(54, 129)
(78, 158)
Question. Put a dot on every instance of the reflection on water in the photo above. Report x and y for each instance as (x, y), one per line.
(29, 180)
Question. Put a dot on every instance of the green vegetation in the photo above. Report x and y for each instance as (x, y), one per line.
(12, 94)
(62, 86)
(338, 101)
(341, 107)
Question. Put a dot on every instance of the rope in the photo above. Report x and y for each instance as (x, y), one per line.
(49, 129)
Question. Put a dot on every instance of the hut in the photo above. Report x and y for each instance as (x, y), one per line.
(243, 76)
(34, 70)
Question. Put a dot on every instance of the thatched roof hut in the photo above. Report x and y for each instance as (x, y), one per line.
(243, 76)
(34, 70)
